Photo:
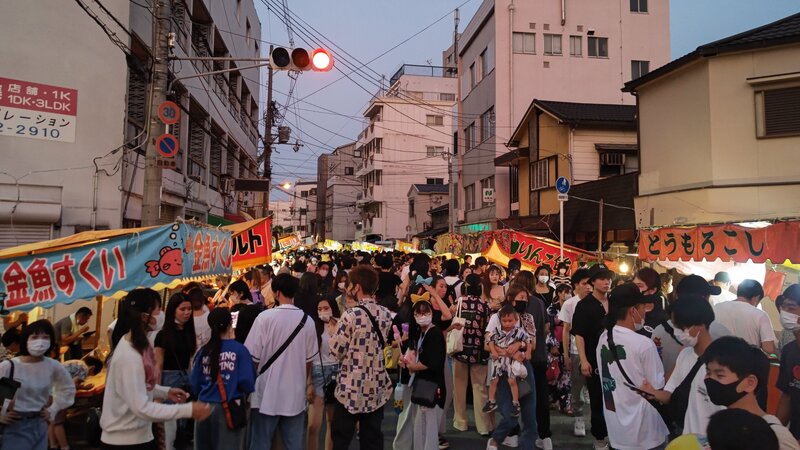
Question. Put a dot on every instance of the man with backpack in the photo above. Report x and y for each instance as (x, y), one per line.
(455, 285)
(363, 385)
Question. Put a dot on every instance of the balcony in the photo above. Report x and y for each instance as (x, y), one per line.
(421, 71)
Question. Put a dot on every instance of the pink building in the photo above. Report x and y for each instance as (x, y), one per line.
(562, 50)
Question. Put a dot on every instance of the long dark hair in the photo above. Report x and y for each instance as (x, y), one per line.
(242, 288)
(129, 318)
(170, 332)
(335, 314)
(219, 320)
(307, 295)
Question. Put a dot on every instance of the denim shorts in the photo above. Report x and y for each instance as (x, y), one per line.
(321, 374)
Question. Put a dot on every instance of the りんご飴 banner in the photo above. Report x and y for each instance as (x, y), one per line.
(778, 242)
(534, 251)
(138, 259)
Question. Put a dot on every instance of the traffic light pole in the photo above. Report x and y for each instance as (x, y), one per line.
(268, 137)
(151, 196)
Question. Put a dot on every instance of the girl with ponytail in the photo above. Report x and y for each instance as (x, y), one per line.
(222, 363)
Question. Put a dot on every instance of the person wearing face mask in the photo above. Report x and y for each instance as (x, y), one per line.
(735, 373)
(646, 279)
(324, 369)
(544, 287)
(788, 378)
(626, 359)
(25, 424)
(325, 277)
(685, 392)
(425, 361)
(343, 300)
(174, 347)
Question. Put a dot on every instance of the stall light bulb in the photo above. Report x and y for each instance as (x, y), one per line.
(624, 267)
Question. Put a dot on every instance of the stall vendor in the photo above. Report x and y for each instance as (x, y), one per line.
(70, 331)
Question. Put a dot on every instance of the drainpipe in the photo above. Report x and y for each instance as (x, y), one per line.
(95, 181)
(571, 153)
(511, 9)
(563, 12)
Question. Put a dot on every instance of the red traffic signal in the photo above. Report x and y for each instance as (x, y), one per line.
(282, 58)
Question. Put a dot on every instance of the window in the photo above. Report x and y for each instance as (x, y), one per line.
(312, 191)
(434, 180)
(598, 47)
(484, 64)
(329, 225)
(612, 164)
(434, 121)
(639, 6)
(303, 194)
(487, 124)
(432, 151)
(472, 80)
(486, 183)
(540, 174)
(639, 68)
(348, 170)
(777, 113)
(552, 44)
(513, 179)
(447, 97)
(411, 208)
(378, 177)
(471, 137)
(303, 211)
(469, 196)
(524, 43)
(575, 46)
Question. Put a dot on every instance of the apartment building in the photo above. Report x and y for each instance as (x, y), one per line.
(421, 199)
(303, 209)
(341, 189)
(408, 134)
(88, 174)
(563, 50)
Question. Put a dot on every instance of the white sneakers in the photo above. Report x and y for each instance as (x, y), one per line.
(580, 427)
(511, 441)
(546, 443)
(490, 446)
(601, 445)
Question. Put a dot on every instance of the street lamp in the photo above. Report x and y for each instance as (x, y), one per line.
(287, 185)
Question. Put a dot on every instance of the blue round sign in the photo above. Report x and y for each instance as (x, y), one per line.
(167, 145)
(562, 185)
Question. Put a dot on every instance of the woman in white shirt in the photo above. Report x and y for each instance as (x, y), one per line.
(131, 383)
(40, 377)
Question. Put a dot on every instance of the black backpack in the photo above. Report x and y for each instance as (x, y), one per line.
(454, 291)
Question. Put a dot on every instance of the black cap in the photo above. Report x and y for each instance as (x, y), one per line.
(627, 295)
(695, 284)
(600, 270)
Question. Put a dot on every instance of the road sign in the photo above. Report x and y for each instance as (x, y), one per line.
(169, 113)
(563, 197)
(488, 195)
(167, 145)
(562, 185)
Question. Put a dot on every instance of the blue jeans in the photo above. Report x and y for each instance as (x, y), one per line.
(527, 417)
(262, 430)
(320, 375)
(29, 433)
(213, 433)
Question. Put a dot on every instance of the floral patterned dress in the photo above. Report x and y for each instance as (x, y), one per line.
(558, 378)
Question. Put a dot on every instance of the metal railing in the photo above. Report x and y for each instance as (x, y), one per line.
(424, 71)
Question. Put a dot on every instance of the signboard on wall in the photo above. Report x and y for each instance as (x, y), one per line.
(37, 111)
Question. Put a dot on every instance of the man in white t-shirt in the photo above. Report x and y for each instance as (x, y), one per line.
(723, 281)
(625, 360)
(581, 288)
(744, 319)
(279, 401)
(692, 318)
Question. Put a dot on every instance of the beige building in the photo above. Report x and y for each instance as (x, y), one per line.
(409, 129)
(341, 189)
(421, 199)
(512, 52)
(719, 131)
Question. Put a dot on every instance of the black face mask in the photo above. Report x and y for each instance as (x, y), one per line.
(723, 394)
(521, 306)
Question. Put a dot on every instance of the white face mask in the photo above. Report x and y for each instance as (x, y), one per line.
(638, 325)
(37, 347)
(544, 279)
(685, 338)
(424, 321)
(341, 285)
(789, 321)
(325, 316)
(159, 321)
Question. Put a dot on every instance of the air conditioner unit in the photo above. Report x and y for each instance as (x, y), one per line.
(247, 200)
(227, 184)
(612, 159)
(460, 215)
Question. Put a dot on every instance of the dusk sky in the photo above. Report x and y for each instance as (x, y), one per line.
(365, 29)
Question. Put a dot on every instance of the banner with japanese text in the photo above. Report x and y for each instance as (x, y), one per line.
(535, 251)
(289, 242)
(778, 242)
(157, 256)
(253, 246)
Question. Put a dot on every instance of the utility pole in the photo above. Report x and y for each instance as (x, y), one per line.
(151, 199)
(268, 137)
(452, 159)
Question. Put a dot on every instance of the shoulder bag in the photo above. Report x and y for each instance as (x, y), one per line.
(235, 410)
(329, 384)
(424, 392)
(679, 402)
(455, 337)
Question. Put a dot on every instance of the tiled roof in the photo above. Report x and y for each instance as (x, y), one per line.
(590, 113)
(432, 188)
(783, 31)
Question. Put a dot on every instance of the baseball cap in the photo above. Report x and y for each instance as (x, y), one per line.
(600, 270)
(695, 284)
(627, 295)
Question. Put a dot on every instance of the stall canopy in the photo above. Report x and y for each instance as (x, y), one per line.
(252, 243)
(111, 263)
(778, 243)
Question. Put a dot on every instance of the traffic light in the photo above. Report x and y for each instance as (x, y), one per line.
(283, 58)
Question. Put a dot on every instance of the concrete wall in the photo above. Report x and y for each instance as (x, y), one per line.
(586, 162)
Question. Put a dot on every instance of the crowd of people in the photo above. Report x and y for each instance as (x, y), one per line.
(309, 354)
